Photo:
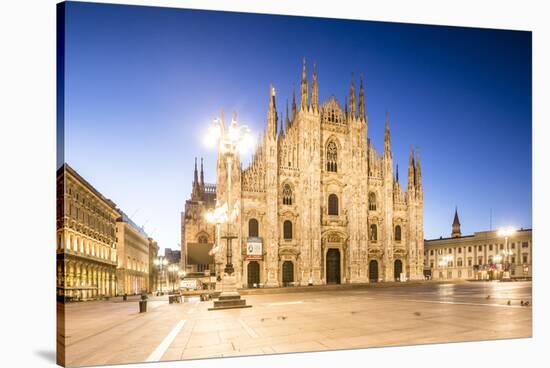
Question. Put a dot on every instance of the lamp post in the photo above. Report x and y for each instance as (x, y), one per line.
(506, 233)
(173, 269)
(217, 216)
(161, 263)
(230, 141)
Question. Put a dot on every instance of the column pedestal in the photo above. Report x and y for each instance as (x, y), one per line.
(229, 298)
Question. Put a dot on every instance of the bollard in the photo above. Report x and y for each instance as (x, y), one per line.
(124, 297)
(142, 306)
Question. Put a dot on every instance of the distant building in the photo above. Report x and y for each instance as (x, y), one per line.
(133, 257)
(197, 235)
(482, 256)
(172, 256)
(86, 239)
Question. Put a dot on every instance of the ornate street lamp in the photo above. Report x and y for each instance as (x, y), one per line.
(506, 233)
(173, 269)
(230, 141)
(217, 216)
(161, 263)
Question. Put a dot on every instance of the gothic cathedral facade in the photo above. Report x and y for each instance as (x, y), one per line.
(320, 204)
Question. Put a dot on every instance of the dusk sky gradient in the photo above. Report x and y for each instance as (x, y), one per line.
(143, 83)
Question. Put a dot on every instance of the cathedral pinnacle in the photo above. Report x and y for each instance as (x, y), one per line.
(304, 96)
(387, 146)
(346, 106)
(417, 172)
(293, 104)
(196, 178)
(314, 89)
(352, 109)
(397, 173)
(272, 114)
(362, 112)
(196, 186)
(287, 121)
(411, 179)
(202, 177)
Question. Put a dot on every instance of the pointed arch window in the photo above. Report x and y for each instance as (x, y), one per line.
(372, 201)
(373, 232)
(203, 239)
(333, 205)
(287, 230)
(287, 195)
(332, 157)
(253, 227)
(398, 233)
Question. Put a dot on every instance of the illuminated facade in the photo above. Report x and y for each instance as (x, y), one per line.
(86, 239)
(484, 255)
(318, 204)
(133, 257)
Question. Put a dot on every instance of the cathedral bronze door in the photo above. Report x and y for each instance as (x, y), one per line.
(373, 271)
(397, 269)
(288, 273)
(333, 266)
(253, 272)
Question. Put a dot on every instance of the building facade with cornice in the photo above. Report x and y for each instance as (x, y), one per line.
(133, 257)
(483, 255)
(86, 239)
(318, 204)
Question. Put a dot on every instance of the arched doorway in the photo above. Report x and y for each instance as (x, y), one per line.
(397, 269)
(253, 272)
(373, 271)
(333, 266)
(288, 273)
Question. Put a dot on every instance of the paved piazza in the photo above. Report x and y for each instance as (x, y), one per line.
(113, 331)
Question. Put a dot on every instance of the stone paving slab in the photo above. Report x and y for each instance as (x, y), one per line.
(111, 332)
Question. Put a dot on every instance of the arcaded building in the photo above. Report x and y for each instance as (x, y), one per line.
(86, 239)
(318, 204)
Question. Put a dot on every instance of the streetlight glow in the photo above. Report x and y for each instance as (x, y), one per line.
(236, 139)
(506, 231)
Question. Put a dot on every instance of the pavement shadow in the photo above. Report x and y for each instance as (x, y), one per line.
(48, 355)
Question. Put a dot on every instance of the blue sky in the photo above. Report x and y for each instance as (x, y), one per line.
(143, 83)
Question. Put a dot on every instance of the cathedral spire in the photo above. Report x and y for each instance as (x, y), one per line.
(411, 181)
(352, 97)
(293, 104)
(281, 125)
(361, 99)
(287, 120)
(196, 188)
(304, 96)
(346, 106)
(456, 225)
(417, 172)
(195, 174)
(397, 173)
(272, 114)
(387, 139)
(314, 89)
(202, 177)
